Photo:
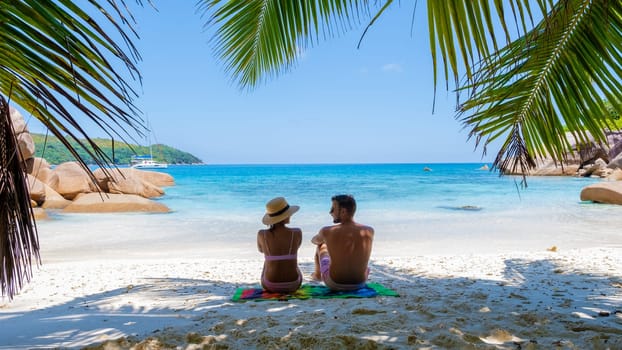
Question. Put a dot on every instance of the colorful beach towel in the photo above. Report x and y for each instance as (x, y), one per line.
(308, 291)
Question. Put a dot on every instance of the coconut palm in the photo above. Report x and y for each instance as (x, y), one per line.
(58, 64)
(525, 69)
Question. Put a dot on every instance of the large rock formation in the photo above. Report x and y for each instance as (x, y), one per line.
(548, 167)
(53, 200)
(584, 159)
(128, 181)
(36, 189)
(110, 189)
(73, 180)
(114, 191)
(616, 175)
(25, 143)
(113, 203)
(616, 162)
(42, 170)
(603, 192)
(154, 177)
(614, 139)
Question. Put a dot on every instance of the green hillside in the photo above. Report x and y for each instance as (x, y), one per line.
(55, 152)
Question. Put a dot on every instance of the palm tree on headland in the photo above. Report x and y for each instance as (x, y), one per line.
(526, 69)
(58, 64)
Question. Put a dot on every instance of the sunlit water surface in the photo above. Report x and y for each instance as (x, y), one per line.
(452, 209)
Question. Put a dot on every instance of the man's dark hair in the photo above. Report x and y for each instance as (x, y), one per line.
(346, 201)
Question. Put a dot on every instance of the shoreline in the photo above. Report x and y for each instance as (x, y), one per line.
(536, 298)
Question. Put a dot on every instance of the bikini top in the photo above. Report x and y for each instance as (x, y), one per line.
(289, 256)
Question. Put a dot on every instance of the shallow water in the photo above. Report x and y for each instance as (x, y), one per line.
(455, 208)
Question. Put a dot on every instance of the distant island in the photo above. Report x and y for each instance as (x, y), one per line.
(56, 153)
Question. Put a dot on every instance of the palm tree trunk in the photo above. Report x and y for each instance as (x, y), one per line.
(19, 242)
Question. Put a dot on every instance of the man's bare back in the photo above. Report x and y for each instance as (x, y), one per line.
(347, 246)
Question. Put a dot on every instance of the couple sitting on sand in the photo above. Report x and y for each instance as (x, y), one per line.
(341, 256)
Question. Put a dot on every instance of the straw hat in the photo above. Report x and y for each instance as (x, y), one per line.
(278, 210)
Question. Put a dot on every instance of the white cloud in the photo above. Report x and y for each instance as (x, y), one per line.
(392, 67)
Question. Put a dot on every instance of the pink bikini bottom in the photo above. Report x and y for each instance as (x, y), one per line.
(280, 287)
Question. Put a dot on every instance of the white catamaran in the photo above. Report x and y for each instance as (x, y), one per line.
(147, 161)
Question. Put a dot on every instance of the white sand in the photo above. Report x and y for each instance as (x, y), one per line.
(537, 299)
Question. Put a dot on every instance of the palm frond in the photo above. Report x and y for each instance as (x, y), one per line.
(54, 55)
(19, 242)
(259, 39)
(554, 76)
(525, 81)
(465, 32)
(55, 59)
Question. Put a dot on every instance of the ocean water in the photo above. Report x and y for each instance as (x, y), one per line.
(452, 209)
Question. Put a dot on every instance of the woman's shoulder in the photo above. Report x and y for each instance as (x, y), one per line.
(295, 230)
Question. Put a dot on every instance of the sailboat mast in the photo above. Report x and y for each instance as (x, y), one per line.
(149, 135)
(142, 162)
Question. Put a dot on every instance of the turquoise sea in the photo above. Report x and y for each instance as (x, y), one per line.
(454, 208)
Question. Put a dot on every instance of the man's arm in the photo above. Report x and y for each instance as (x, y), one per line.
(319, 238)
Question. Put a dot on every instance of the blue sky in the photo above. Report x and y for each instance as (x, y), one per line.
(339, 104)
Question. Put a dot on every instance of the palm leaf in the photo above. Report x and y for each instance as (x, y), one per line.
(554, 76)
(55, 55)
(259, 39)
(525, 81)
(18, 241)
(463, 32)
(58, 63)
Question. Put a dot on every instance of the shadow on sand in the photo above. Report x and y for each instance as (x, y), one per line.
(534, 305)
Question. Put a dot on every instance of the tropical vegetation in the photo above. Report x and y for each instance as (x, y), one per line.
(54, 152)
(524, 71)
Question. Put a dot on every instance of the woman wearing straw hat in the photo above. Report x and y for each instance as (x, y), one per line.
(280, 244)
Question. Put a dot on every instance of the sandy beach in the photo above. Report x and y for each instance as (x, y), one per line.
(535, 299)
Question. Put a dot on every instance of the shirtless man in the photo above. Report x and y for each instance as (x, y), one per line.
(343, 249)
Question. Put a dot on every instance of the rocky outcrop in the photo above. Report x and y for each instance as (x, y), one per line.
(25, 143)
(40, 214)
(616, 175)
(126, 181)
(53, 200)
(36, 189)
(614, 139)
(598, 168)
(70, 187)
(113, 203)
(73, 180)
(116, 190)
(154, 177)
(548, 167)
(42, 170)
(616, 162)
(603, 192)
(584, 159)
